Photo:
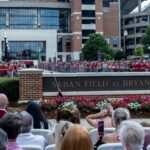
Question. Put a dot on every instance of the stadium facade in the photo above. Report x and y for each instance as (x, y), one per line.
(54, 29)
(135, 24)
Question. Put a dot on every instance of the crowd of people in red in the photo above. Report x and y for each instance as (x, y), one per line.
(10, 69)
(97, 66)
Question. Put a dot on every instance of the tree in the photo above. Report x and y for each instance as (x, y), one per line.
(97, 45)
(146, 40)
(139, 51)
(119, 55)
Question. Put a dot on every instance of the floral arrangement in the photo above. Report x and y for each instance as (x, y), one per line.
(134, 103)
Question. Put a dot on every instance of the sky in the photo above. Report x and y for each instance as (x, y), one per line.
(144, 5)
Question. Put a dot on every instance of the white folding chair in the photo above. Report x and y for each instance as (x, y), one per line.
(31, 147)
(43, 132)
(111, 146)
(94, 135)
(50, 147)
(109, 130)
(147, 129)
(148, 147)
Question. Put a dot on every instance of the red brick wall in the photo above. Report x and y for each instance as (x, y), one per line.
(76, 25)
(111, 21)
(30, 85)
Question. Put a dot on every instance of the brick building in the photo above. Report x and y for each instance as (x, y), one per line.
(55, 29)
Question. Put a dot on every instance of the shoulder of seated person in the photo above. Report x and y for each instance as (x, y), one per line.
(107, 137)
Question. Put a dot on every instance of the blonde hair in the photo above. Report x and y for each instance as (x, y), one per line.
(60, 130)
(77, 138)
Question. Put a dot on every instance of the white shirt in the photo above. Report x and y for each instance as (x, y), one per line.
(30, 139)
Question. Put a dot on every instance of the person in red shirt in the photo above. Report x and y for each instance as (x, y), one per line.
(3, 104)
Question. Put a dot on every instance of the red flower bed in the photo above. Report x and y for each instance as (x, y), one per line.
(134, 103)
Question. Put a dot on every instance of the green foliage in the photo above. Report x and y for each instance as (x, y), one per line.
(10, 87)
(119, 55)
(135, 106)
(139, 51)
(97, 44)
(146, 40)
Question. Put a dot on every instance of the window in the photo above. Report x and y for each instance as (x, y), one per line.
(88, 2)
(23, 18)
(88, 21)
(85, 33)
(27, 49)
(88, 13)
(2, 18)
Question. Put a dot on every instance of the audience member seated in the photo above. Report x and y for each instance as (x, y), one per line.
(65, 113)
(77, 138)
(131, 135)
(118, 115)
(103, 115)
(39, 119)
(146, 140)
(60, 131)
(26, 137)
(3, 140)
(68, 114)
(11, 123)
(3, 104)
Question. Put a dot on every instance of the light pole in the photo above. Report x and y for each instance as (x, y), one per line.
(5, 48)
(125, 36)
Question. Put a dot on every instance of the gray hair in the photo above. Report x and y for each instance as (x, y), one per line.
(3, 139)
(131, 135)
(119, 115)
(60, 131)
(3, 101)
(27, 122)
(107, 106)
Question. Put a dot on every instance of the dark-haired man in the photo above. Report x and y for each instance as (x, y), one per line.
(11, 123)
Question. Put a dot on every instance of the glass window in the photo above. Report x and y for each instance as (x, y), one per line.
(88, 2)
(86, 33)
(27, 50)
(23, 18)
(55, 19)
(88, 13)
(2, 18)
(88, 21)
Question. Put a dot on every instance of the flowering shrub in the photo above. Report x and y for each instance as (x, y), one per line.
(70, 104)
(134, 106)
(95, 103)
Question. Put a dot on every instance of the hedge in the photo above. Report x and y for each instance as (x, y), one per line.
(10, 87)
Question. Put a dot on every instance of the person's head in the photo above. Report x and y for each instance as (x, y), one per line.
(3, 101)
(68, 114)
(119, 115)
(11, 123)
(108, 107)
(77, 138)
(60, 131)
(3, 140)
(35, 110)
(131, 135)
(27, 122)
